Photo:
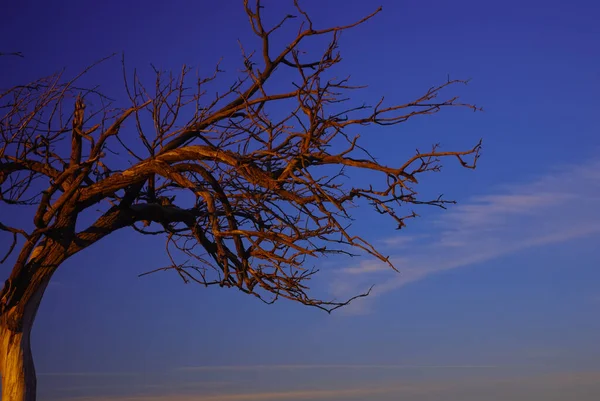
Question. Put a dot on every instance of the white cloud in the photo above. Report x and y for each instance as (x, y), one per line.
(400, 241)
(554, 208)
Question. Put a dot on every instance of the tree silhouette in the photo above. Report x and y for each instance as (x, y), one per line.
(242, 193)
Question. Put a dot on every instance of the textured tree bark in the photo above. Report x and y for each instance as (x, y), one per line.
(17, 369)
(16, 364)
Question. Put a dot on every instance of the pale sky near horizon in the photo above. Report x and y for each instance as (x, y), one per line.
(497, 297)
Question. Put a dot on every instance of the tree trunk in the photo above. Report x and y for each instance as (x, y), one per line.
(19, 381)
(16, 364)
(19, 303)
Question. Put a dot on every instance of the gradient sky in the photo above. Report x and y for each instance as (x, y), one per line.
(498, 297)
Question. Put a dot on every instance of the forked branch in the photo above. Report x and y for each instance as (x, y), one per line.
(243, 198)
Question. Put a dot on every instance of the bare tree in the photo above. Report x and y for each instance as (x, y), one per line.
(243, 194)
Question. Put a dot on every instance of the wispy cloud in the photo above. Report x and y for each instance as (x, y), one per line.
(555, 208)
(146, 387)
(89, 374)
(274, 395)
(584, 386)
(400, 241)
(315, 367)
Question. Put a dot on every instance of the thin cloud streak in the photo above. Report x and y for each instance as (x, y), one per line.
(280, 395)
(558, 207)
(89, 374)
(311, 367)
(585, 384)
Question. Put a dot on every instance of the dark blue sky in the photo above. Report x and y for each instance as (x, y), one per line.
(502, 288)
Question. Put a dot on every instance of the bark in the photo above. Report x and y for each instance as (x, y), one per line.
(17, 369)
(20, 299)
(18, 372)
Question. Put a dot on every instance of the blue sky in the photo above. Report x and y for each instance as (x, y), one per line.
(497, 297)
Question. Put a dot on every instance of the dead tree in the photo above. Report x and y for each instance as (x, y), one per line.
(237, 187)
